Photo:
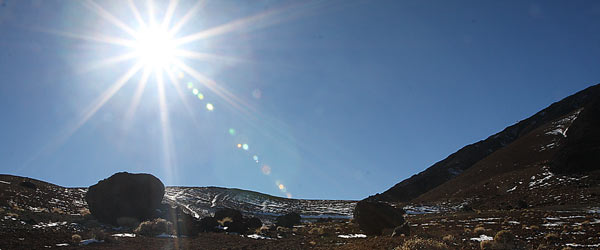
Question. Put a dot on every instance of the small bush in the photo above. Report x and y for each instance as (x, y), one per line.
(551, 237)
(448, 238)
(225, 221)
(479, 230)
(504, 240)
(57, 210)
(486, 244)
(154, 227)
(316, 231)
(424, 244)
(76, 238)
(84, 212)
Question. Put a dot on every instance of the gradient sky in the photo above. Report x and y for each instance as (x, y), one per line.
(340, 99)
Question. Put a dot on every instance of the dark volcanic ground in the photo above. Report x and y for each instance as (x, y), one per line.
(48, 215)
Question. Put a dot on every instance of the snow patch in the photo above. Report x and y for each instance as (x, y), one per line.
(482, 237)
(258, 237)
(62, 244)
(163, 235)
(51, 224)
(5, 182)
(352, 236)
(583, 246)
(512, 189)
(125, 235)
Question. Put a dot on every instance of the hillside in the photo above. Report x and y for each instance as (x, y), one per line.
(467, 157)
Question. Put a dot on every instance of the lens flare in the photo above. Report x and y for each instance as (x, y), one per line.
(200, 96)
(255, 157)
(239, 145)
(266, 169)
(190, 85)
(232, 131)
(195, 91)
(245, 147)
(281, 186)
(210, 107)
(288, 195)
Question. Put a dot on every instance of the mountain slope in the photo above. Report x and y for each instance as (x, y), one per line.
(465, 158)
(520, 175)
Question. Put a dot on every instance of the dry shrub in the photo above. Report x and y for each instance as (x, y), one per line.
(448, 238)
(486, 245)
(154, 227)
(84, 212)
(504, 240)
(57, 210)
(535, 227)
(467, 230)
(12, 214)
(76, 238)
(225, 220)
(422, 244)
(479, 230)
(316, 231)
(551, 236)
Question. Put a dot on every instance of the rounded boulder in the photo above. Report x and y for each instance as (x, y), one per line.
(125, 195)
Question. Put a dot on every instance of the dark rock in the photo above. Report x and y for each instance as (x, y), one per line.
(403, 229)
(233, 214)
(253, 223)
(125, 195)
(373, 217)
(183, 222)
(209, 224)
(581, 152)
(28, 184)
(288, 220)
(236, 226)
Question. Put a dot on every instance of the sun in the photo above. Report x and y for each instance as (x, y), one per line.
(155, 47)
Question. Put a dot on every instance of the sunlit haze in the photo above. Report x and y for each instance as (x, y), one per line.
(297, 99)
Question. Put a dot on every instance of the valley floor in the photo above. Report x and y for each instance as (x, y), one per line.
(540, 228)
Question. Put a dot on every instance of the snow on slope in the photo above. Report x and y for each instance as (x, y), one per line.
(204, 201)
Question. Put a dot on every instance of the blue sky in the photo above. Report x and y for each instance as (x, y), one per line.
(336, 99)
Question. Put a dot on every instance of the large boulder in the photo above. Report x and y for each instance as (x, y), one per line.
(125, 195)
(372, 217)
(288, 220)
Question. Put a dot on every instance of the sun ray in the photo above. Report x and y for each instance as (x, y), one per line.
(137, 96)
(151, 19)
(87, 114)
(230, 98)
(92, 38)
(267, 16)
(191, 13)
(168, 146)
(136, 14)
(206, 56)
(110, 61)
(175, 83)
(169, 13)
(109, 17)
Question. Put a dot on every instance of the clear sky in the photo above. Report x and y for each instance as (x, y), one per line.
(308, 99)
